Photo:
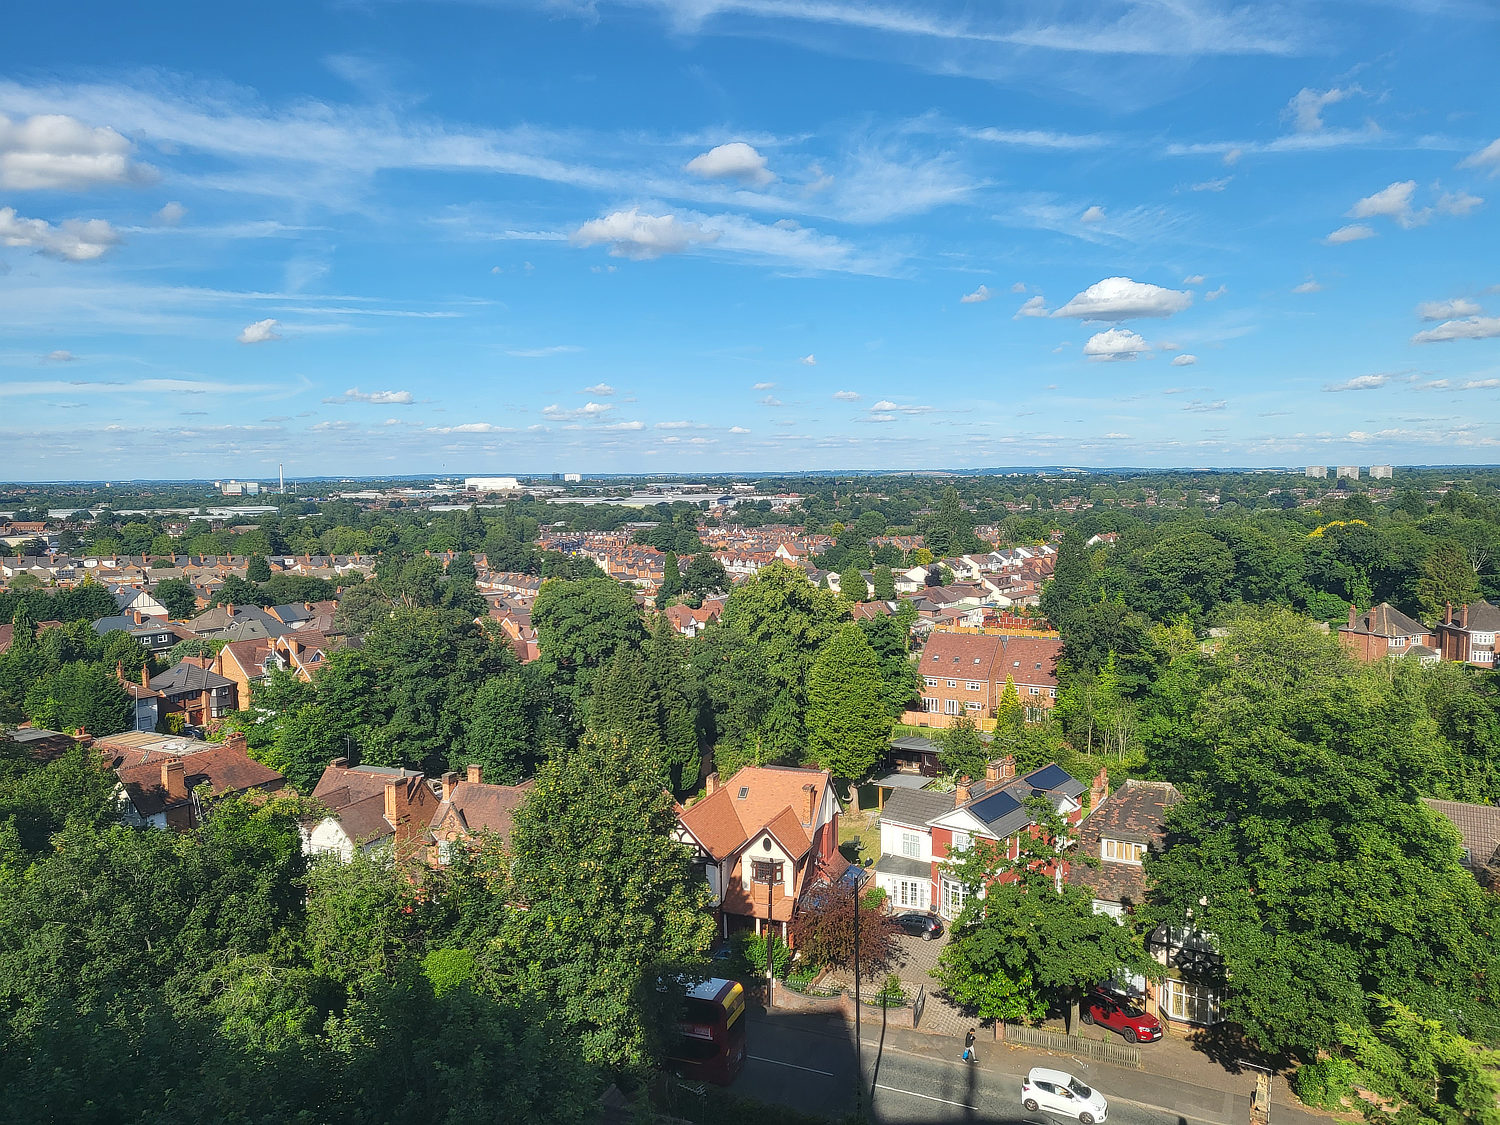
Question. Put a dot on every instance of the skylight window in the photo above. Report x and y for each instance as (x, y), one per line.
(744, 791)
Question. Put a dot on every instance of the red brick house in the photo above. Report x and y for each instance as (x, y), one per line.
(159, 790)
(763, 839)
(372, 808)
(470, 807)
(1468, 635)
(965, 673)
(1385, 631)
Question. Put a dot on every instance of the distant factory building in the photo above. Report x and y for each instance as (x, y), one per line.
(238, 488)
(1382, 472)
(572, 478)
(1318, 471)
(491, 484)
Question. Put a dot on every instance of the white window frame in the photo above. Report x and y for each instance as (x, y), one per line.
(961, 842)
(911, 844)
(1190, 1003)
(953, 683)
(955, 894)
(973, 685)
(1121, 851)
(951, 706)
(931, 704)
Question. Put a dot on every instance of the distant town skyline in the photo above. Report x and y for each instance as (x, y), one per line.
(738, 236)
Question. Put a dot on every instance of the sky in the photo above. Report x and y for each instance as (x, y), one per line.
(412, 236)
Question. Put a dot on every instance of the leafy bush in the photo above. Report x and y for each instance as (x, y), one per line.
(1324, 1082)
(751, 949)
(874, 898)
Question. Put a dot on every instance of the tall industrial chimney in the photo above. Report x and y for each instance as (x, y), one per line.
(280, 473)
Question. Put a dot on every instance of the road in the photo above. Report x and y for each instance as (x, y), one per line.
(809, 1065)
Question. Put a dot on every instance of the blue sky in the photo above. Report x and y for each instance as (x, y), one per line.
(746, 235)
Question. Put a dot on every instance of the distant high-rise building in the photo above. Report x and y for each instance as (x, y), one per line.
(572, 478)
(1319, 471)
(1348, 472)
(238, 488)
(1382, 472)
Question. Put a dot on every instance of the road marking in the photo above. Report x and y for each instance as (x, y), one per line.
(924, 1097)
(794, 1066)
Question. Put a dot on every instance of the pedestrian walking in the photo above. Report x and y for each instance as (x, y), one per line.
(970, 1055)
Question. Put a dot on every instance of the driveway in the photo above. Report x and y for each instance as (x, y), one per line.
(916, 960)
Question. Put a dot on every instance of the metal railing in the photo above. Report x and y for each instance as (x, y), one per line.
(1102, 1050)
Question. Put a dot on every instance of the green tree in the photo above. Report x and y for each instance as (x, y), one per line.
(885, 584)
(258, 570)
(580, 624)
(612, 904)
(498, 735)
(961, 753)
(1448, 578)
(671, 583)
(705, 575)
(178, 595)
(80, 696)
(852, 585)
(848, 722)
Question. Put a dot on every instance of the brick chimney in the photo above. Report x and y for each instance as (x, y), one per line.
(393, 802)
(1464, 623)
(1353, 615)
(1448, 616)
(961, 794)
(135, 613)
(711, 784)
(473, 773)
(809, 803)
(174, 778)
(120, 670)
(1099, 790)
(1001, 769)
(339, 764)
(450, 779)
(236, 741)
(229, 609)
(145, 677)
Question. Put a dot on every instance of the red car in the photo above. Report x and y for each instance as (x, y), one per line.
(1121, 1012)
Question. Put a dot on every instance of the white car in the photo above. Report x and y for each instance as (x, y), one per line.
(1056, 1091)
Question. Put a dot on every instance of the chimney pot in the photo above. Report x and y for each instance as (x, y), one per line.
(473, 773)
(339, 764)
(1353, 615)
(711, 784)
(450, 779)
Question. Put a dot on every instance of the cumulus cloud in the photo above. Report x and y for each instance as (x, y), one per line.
(1119, 298)
(1353, 232)
(1308, 286)
(1018, 287)
(473, 428)
(738, 430)
(763, 387)
(171, 214)
(598, 389)
(1033, 306)
(1306, 108)
(979, 295)
(770, 400)
(1473, 328)
(1184, 360)
(847, 396)
(75, 240)
(1115, 343)
(1458, 203)
(587, 410)
(1094, 214)
(59, 356)
(1481, 385)
(625, 426)
(631, 234)
(54, 152)
(1215, 294)
(261, 332)
(683, 425)
(734, 161)
(374, 398)
(1448, 310)
(1392, 202)
(1487, 157)
(886, 406)
(809, 360)
(1360, 383)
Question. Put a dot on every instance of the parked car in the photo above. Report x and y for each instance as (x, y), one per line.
(919, 923)
(1057, 1091)
(1119, 1011)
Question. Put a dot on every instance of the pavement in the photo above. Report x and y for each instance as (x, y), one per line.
(807, 1061)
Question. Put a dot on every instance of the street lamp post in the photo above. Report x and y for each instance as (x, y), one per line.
(859, 1046)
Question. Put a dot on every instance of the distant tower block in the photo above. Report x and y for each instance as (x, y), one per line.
(1348, 472)
(1382, 472)
(1319, 471)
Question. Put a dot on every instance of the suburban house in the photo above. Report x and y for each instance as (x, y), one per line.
(156, 635)
(1469, 635)
(161, 790)
(190, 688)
(470, 808)
(371, 808)
(145, 699)
(922, 830)
(965, 673)
(1386, 631)
(132, 599)
(237, 623)
(763, 839)
(40, 745)
(303, 653)
(1119, 833)
(1479, 827)
(245, 664)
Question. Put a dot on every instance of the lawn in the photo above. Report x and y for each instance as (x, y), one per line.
(859, 836)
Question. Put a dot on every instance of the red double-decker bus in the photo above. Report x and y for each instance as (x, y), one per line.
(711, 1034)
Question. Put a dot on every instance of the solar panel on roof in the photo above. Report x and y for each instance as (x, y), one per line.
(1049, 778)
(993, 807)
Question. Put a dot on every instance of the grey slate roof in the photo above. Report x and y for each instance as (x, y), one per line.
(187, 677)
(915, 806)
(904, 866)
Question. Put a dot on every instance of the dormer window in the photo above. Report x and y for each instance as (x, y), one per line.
(1121, 851)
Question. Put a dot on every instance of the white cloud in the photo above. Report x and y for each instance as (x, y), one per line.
(1458, 203)
(1487, 157)
(1481, 385)
(1360, 383)
(1448, 310)
(54, 152)
(674, 425)
(476, 428)
(809, 360)
(375, 398)
(625, 426)
(1094, 214)
(1308, 286)
(76, 240)
(59, 356)
(1197, 407)
(260, 332)
(1018, 287)
(1306, 108)
(763, 387)
(886, 406)
(734, 161)
(587, 410)
(1474, 328)
(1115, 343)
(770, 400)
(543, 353)
(1213, 185)
(847, 396)
(738, 430)
(171, 214)
(1351, 233)
(1033, 306)
(1184, 360)
(1392, 202)
(1215, 294)
(1119, 298)
(603, 389)
(1168, 346)
(631, 234)
(979, 296)
(1194, 279)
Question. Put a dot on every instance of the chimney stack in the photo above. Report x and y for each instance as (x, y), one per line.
(711, 784)
(450, 779)
(1448, 616)
(473, 773)
(392, 788)
(961, 794)
(339, 764)
(229, 609)
(1001, 769)
(236, 741)
(1465, 612)
(135, 613)
(145, 677)
(174, 778)
(120, 670)
(1353, 614)
(1099, 790)
(809, 804)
